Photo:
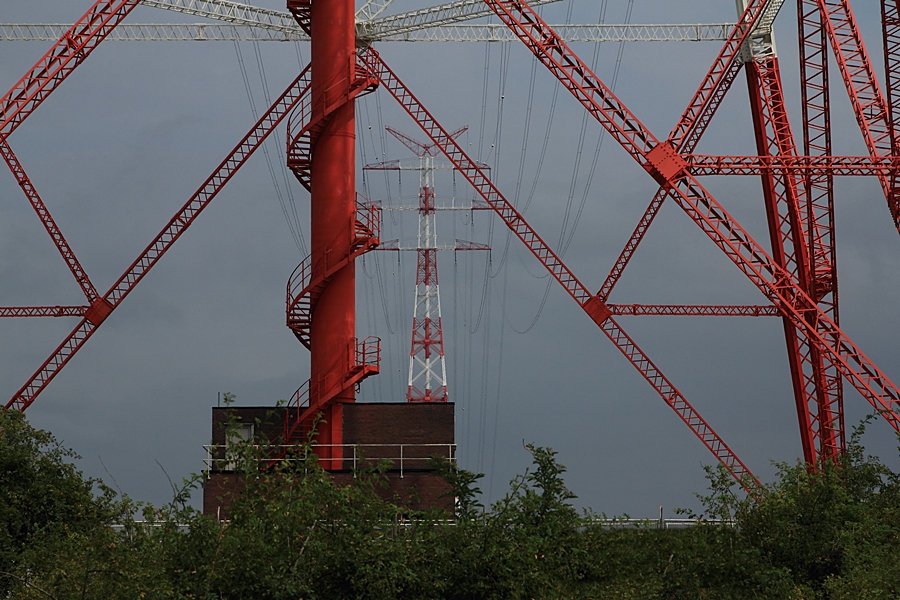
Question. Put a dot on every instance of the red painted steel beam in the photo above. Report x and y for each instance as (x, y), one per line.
(816, 113)
(691, 126)
(49, 224)
(890, 30)
(665, 165)
(75, 45)
(818, 167)
(692, 310)
(715, 85)
(789, 232)
(592, 305)
(862, 86)
(783, 220)
(819, 210)
(43, 311)
(98, 313)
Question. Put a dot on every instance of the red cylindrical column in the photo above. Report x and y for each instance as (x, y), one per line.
(333, 203)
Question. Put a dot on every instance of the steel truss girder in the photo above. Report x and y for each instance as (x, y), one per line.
(487, 32)
(693, 123)
(890, 30)
(159, 32)
(163, 241)
(866, 98)
(230, 12)
(693, 310)
(43, 311)
(592, 305)
(819, 187)
(492, 32)
(372, 9)
(49, 224)
(789, 232)
(663, 163)
(398, 25)
(817, 168)
(444, 14)
(73, 47)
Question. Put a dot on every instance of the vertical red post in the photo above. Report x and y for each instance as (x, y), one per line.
(333, 200)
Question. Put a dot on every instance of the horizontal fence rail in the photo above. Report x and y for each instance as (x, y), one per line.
(403, 456)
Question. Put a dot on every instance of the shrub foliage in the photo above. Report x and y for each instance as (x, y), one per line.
(831, 532)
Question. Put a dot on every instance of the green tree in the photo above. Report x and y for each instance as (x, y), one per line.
(293, 532)
(44, 499)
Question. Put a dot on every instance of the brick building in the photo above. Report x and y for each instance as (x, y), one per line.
(404, 433)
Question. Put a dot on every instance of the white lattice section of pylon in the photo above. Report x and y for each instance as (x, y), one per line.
(427, 367)
(427, 380)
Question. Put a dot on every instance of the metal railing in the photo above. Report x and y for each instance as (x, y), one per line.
(368, 215)
(402, 456)
(657, 523)
(368, 352)
(362, 353)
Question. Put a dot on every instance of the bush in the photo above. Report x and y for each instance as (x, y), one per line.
(293, 533)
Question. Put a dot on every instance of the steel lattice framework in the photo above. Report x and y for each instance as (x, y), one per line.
(798, 274)
(174, 32)
(427, 380)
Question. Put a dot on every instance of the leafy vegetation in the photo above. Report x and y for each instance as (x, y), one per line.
(293, 533)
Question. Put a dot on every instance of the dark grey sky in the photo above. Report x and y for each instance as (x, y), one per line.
(120, 146)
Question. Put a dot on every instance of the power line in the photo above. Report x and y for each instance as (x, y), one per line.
(296, 234)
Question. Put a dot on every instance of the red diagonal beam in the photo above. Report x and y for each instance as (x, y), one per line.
(718, 80)
(592, 305)
(862, 86)
(666, 166)
(73, 47)
(43, 311)
(46, 218)
(789, 235)
(691, 126)
(163, 241)
(693, 310)
(631, 246)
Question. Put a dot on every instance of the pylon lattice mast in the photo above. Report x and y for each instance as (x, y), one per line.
(427, 374)
(427, 380)
(427, 367)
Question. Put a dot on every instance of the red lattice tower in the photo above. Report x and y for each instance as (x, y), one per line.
(798, 275)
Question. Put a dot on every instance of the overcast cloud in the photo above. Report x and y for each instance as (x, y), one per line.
(121, 145)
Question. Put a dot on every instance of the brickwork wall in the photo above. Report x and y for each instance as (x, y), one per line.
(416, 491)
(271, 421)
(399, 423)
(363, 423)
(219, 491)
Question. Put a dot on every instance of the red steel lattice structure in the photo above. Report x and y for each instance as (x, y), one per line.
(798, 275)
